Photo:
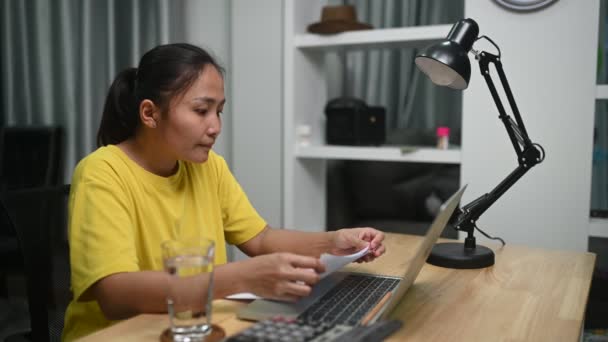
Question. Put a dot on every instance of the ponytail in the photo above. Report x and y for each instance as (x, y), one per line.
(120, 111)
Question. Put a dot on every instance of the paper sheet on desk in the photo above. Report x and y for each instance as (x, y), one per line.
(335, 262)
(243, 295)
(332, 263)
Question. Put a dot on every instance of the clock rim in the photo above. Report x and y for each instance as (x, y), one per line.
(529, 6)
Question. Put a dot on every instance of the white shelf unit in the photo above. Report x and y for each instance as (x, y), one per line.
(401, 37)
(601, 92)
(598, 227)
(305, 95)
(403, 154)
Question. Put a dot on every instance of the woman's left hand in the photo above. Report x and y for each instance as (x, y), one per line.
(350, 240)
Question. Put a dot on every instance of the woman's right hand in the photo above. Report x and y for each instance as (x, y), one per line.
(281, 276)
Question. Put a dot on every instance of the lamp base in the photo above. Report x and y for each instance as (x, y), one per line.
(455, 255)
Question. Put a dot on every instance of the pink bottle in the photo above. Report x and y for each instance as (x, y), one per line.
(443, 137)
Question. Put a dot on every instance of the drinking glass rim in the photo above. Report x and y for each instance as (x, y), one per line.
(170, 248)
(187, 240)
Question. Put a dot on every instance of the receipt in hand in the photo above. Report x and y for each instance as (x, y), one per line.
(335, 262)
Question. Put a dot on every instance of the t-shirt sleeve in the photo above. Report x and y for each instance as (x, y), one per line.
(241, 221)
(100, 228)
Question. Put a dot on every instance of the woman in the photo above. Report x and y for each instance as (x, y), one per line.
(156, 177)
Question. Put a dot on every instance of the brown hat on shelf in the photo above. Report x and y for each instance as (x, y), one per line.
(336, 19)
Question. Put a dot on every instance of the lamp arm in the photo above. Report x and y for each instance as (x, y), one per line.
(470, 213)
(528, 154)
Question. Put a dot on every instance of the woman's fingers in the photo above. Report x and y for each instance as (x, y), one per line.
(297, 289)
(303, 262)
(291, 291)
(366, 258)
(377, 241)
(306, 275)
(378, 252)
(303, 269)
(374, 236)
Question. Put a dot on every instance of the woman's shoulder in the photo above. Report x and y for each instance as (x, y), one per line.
(104, 160)
(102, 155)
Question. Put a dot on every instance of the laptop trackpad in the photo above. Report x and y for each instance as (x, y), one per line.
(261, 309)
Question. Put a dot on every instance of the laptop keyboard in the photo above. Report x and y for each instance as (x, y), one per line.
(349, 301)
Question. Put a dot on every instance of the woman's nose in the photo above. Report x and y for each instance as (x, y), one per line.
(215, 126)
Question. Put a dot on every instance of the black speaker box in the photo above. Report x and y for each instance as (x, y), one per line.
(351, 122)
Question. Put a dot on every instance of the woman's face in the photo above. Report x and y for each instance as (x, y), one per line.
(193, 122)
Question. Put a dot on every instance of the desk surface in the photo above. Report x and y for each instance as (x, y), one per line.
(529, 294)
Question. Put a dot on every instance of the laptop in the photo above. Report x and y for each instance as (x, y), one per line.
(355, 298)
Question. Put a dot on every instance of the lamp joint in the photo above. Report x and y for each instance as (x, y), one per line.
(530, 156)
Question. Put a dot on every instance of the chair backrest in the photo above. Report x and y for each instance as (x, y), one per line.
(39, 216)
(30, 157)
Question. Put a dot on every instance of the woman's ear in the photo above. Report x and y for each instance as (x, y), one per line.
(149, 113)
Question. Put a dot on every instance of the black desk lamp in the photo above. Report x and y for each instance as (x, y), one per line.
(447, 64)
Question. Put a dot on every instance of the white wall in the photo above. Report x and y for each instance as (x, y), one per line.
(208, 25)
(256, 45)
(550, 60)
(246, 38)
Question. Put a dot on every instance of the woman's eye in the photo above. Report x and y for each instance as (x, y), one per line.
(201, 111)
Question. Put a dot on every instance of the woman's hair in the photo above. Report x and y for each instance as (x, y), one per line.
(163, 73)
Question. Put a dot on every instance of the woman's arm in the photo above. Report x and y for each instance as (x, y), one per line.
(340, 242)
(123, 295)
(281, 276)
(272, 240)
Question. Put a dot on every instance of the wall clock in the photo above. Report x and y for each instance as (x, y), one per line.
(524, 5)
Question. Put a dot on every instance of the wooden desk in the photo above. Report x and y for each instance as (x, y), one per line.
(528, 295)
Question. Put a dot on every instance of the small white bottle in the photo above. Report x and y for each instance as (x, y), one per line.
(303, 134)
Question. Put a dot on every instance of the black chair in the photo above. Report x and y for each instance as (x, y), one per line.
(38, 216)
(30, 157)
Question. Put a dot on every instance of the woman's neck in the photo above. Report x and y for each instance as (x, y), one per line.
(149, 157)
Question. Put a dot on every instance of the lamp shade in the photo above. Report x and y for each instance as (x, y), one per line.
(446, 63)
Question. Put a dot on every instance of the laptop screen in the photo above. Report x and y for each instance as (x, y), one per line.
(424, 249)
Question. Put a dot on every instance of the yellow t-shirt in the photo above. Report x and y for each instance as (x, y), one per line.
(120, 214)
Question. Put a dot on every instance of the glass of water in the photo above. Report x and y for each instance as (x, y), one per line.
(189, 262)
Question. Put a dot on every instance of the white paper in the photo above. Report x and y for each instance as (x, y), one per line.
(243, 295)
(332, 263)
(335, 262)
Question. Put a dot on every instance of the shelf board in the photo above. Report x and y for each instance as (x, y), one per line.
(402, 37)
(403, 154)
(598, 227)
(601, 92)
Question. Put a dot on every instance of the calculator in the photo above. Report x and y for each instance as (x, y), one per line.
(284, 330)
